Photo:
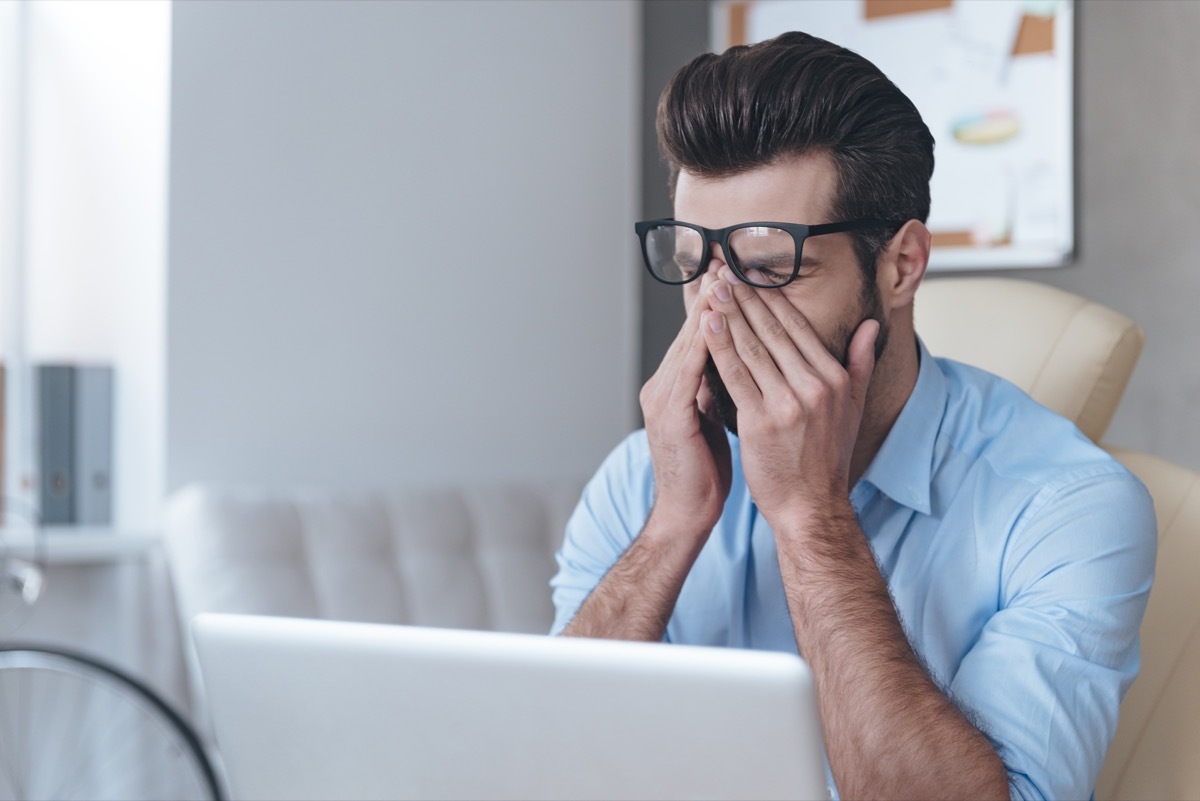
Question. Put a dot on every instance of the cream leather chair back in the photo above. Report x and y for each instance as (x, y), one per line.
(1070, 354)
(1156, 751)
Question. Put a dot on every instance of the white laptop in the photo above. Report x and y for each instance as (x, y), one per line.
(309, 709)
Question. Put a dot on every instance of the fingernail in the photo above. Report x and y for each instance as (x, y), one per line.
(722, 292)
(716, 321)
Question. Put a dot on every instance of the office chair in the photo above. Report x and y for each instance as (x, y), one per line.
(1069, 353)
(1075, 357)
(1156, 751)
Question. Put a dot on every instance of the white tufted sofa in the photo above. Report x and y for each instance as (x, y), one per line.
(478, 558)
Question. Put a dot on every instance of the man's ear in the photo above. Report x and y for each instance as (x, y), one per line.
(902, 265)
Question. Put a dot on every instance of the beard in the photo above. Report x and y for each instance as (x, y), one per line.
(837, 343)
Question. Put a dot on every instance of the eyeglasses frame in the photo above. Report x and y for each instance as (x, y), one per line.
(799, 232)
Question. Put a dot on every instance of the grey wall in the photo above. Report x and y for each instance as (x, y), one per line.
(389, 257)
(673, 33)
(1138, 203)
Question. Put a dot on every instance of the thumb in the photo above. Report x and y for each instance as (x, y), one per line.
(862, 360)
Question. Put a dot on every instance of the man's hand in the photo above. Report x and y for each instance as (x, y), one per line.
(887, 726)
(798, 409)
(692, 477)
(692, 468)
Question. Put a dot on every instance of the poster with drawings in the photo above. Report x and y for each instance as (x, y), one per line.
(993, 80)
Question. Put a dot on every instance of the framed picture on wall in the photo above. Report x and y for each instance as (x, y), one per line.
(994, 81)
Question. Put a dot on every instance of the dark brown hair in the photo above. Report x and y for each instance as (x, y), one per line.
(796, 94)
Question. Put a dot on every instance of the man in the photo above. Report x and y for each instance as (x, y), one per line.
(964, 572)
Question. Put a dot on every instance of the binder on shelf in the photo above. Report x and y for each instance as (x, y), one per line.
(93, 445)
(55, 433)
(3, 442)
(75, 413)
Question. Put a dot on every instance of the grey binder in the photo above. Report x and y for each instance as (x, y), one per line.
(75, 412)
(56, 432)
(93, 445)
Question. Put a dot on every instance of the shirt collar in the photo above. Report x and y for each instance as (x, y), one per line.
(903, 467)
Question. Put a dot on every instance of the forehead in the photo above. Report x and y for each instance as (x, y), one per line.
(799, 189)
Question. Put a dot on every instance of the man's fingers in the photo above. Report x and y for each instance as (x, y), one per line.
(690, 372)
(771, 311)
(681, 366)
(768, 368)
(735, 374)
(687, 331)
(861, 358)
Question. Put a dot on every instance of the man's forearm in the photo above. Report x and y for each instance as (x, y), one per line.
(890, 731)
(635, 599)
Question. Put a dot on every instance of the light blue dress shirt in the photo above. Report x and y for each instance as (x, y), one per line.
(1019, 556)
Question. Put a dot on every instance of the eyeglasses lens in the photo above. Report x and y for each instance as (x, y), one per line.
(674, 252)
(765, 256)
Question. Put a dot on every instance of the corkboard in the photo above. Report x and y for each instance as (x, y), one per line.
(874, 9)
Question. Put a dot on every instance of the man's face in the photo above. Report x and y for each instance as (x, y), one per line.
(829, 289)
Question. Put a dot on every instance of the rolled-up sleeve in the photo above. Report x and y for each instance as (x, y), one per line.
(1049, 669)
(609, 516)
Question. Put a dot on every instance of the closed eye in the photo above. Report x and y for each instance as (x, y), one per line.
(687, 265)
(768, 270)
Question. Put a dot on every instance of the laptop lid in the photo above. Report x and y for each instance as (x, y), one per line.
(311, 709)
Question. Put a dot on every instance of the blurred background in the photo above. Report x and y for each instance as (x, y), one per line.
(362, 243)
(333, 244)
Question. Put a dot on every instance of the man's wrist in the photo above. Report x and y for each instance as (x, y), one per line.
(675, 529)
(814, 519)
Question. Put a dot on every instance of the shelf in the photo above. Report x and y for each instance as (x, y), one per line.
(64, 545)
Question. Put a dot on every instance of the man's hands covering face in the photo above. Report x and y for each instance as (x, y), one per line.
(799, 410)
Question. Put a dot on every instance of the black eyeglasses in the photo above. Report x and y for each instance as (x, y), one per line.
(763, 254)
